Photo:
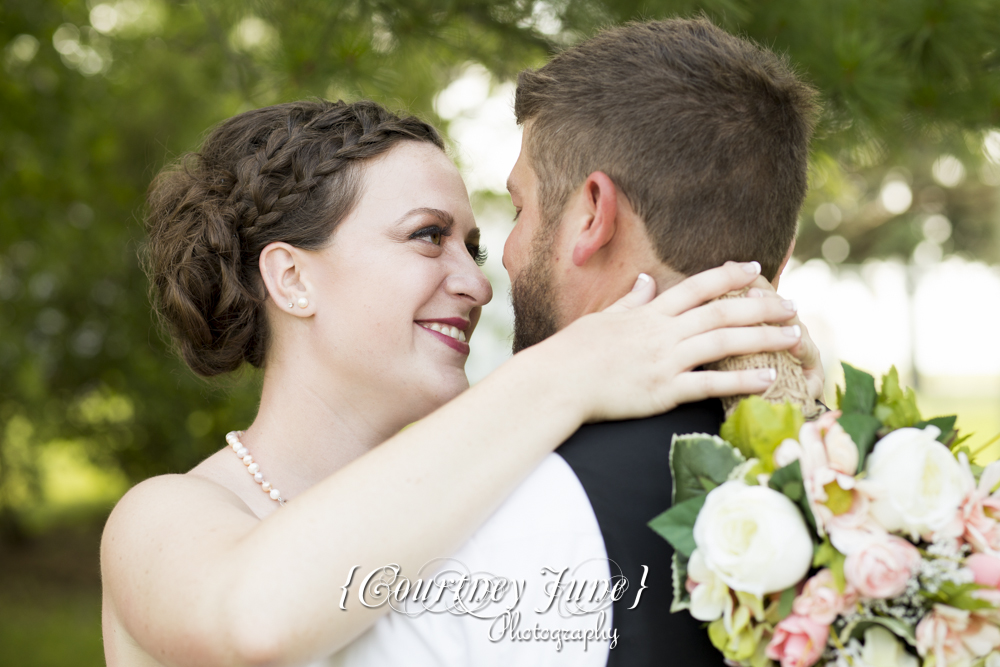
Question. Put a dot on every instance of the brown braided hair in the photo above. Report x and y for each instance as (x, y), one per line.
(289, 172)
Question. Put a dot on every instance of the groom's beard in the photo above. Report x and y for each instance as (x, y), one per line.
(534, 299)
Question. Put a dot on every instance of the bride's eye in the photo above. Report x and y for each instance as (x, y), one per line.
(433, 234)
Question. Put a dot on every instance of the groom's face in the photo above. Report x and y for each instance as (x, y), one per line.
(530, 258)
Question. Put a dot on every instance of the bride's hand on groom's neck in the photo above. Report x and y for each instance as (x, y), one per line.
(640, 354)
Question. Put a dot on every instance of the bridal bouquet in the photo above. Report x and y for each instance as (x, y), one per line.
(866, 538)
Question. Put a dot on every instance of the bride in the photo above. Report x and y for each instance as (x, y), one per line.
(334, 246)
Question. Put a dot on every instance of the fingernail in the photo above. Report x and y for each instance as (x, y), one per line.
(755, 293)
(753, 268)
(790, 305)
(794, 331)
(641, 281)
(768, 374)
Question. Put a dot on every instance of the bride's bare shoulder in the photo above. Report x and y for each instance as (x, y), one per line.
(161, 542)
(204, 488)
(173, 507)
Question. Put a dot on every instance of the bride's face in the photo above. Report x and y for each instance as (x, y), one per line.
(399, 287)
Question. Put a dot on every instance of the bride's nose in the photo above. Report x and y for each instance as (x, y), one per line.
(471, 283)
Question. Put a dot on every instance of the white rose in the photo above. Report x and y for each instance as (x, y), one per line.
(919, 484)
(710, 597)
(882, 649)
(753, 538)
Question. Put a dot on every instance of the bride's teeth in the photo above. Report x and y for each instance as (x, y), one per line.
(453, 332)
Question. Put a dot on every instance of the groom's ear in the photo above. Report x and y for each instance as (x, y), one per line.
(596, 219)
(788, 256)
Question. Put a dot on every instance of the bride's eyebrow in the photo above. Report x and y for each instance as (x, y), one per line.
(446, 218)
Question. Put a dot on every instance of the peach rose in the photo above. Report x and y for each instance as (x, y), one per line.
(821, 601)
(798, 641)
(976, 515)
(826, 435)
(821, 444)
(881, 567)
(828, 459)
(955, 636)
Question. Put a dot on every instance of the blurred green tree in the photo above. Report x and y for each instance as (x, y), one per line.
(97, 96)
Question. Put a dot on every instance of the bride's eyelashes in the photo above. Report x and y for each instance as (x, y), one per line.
(478, 253)
(436, 234)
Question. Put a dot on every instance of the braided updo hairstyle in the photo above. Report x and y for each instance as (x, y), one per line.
(290, 173)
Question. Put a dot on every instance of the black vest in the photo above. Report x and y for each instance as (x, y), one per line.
(625, 469)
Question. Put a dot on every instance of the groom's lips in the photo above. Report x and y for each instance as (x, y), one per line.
(458, 323)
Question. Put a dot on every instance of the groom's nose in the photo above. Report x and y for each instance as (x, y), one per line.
(511, 253)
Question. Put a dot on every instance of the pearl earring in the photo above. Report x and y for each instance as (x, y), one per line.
(303, 302)
(291, 305)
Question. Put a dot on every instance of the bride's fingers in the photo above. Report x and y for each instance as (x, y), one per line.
(735, 313)
(815, 383)
(699, 385)
(721, 343)
(642, 293)
(705, 286)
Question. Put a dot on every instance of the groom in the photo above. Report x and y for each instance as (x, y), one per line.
(668, 148)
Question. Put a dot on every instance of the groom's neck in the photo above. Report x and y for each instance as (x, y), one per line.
(665, 277)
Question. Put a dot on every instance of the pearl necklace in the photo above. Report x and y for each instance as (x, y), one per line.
(233, 438)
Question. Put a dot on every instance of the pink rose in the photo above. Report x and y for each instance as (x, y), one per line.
(955, 636)
(985, 568)
(825, 444)
(975, 521)
(822, 601)
(881, 567)
(798, 641)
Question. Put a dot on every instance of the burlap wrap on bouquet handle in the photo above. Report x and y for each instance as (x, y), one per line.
(789, 385)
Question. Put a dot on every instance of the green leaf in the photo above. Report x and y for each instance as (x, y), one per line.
(757, 427)
(699, 463)
(785, 603)
(946, 424)
(788, 480)
(676, 525)
(707, 484)
(826, 555)
(863, 430)
(681, 599)
(959, 596)
(859, 395)
(896, 408)
(957, 446)
(856, 629)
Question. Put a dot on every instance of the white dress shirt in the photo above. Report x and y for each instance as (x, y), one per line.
(548, 523)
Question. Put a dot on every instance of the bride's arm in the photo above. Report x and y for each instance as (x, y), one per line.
(195, 578)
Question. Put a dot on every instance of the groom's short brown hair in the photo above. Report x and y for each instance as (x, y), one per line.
(706, 134)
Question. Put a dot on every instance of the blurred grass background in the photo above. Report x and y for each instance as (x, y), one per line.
(96, 95)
